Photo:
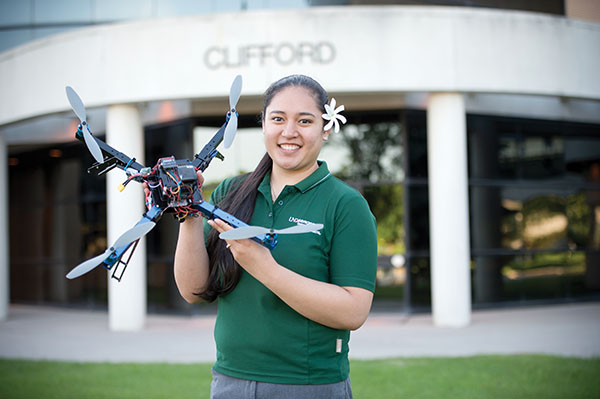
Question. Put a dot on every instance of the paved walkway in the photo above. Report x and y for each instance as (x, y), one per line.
(74, 335)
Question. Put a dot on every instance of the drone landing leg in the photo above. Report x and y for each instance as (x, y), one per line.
(120, 262)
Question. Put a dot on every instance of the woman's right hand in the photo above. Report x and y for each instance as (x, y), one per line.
(146, 189)
(200, 178)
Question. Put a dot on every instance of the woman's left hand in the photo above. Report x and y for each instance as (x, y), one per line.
(249, 254)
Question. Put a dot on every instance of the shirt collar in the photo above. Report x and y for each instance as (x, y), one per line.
(317, 177)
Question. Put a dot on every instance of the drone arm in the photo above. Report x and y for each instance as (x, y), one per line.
(116, 157)
(209, 152)
(210, 212)
(123, 161)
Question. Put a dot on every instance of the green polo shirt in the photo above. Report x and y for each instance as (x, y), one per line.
(258, 336)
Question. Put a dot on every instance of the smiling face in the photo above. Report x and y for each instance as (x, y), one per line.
(293, 129)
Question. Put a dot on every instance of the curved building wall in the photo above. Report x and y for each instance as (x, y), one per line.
(351, 49)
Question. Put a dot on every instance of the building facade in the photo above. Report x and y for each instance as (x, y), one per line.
(474, 133)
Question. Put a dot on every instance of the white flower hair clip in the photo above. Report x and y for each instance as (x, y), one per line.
(332, 114)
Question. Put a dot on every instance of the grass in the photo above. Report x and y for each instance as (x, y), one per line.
(519, 376)
(42, 379)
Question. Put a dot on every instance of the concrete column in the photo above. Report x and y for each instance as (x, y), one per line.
(127, 298)
(448, 210)
(4, 258)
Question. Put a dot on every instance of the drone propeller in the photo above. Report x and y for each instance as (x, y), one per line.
(234, 96)
(131, 235)
(79, 110)
(243, 232)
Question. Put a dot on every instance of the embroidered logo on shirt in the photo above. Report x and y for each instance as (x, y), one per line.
(299, 222)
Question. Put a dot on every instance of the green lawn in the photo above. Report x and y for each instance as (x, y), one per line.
(521, 376)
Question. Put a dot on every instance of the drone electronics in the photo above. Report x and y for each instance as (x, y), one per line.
(173, 188)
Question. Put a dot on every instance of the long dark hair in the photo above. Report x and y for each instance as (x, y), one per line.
(224, 271)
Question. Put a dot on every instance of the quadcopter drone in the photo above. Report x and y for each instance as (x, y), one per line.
(173, 186)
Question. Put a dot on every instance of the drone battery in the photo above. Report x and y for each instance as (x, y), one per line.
(187, 173)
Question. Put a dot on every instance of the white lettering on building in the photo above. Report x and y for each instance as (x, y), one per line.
(260, 54)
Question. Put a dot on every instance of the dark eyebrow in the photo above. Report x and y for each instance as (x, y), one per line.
(304, 113)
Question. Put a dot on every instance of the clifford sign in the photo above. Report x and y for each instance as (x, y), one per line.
(285, 53)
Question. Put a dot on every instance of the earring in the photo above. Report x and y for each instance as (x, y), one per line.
(325, 138)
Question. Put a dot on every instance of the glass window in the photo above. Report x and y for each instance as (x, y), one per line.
(534, 189)
(542, 220)
(170, 8)
(61, 221)
(118, 10)
(368, 154)
(374, 150)
(386, 203)
(540, 276)
(15, 13)
(374, 165)
(420, 283)
(418, 226)
(227, 6)
(416, 131)
(534, 194)
(279, 4)
(62, 11)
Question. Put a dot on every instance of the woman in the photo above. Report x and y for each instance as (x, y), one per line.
(284, 315)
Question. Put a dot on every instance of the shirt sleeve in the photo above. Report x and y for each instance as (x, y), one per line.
(353, 256)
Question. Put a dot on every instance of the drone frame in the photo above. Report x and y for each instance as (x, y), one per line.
(113, 158)
(201, 161)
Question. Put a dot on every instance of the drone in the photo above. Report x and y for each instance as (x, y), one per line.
(174, 188)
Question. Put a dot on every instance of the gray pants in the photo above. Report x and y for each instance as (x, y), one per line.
(225, 387)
